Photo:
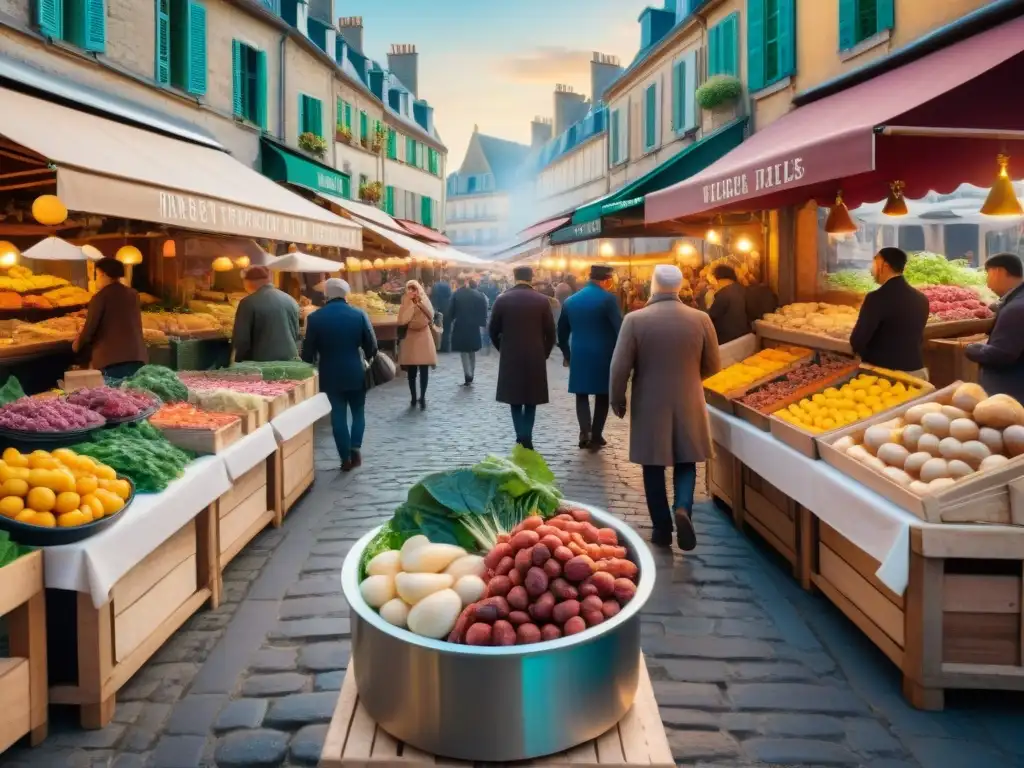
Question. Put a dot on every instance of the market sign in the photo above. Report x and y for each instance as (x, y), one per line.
(776, 176)
(586, 231)
(281, 164)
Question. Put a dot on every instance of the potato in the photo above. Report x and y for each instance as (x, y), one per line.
(940, 484)
(524, 560)
(515, 577)
(916, 413)
(993, 462)
(503, 633)
(532, 523)
(506, 565)
(499, 586)
(377, 590)
(592, 603)
(385, 564)
(527, 634)
(563, 554)
(564, 611)
(414, 587)
(435, 615)
(551, 542)
(578, 568)
(479, 634)
(992, 439)
(471, 588)
(974, 452)
(413, 542)
(933, 470)
(574, 626)
(541, 610)
(395, 612)
(624, 590)
(929, 444)
(541, 554)
(610, 608)
(875, 437)
(580, 515)
(468, 565)
(936, 424)
(550, 632)
(893, 455)
(963, 430)
(518, 598)
(605, 583)
(536, 582)
(915, 461)
(875, 463)
(999, 412)
(563, 590)
(553, 568)
(431, 558)
(953, 413)
(458, 634)
(496, 555)
(588, 587)
(967, 396)
(593, 618)
(958, 469)
(524, 539)
(919, 489)
(897, 475)
(950, 448)
(589, 533)
(843, 444)
(1013, 439)
(515, 618)
(910, 436)
(858, 453)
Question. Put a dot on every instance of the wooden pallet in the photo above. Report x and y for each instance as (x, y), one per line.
(355, 741)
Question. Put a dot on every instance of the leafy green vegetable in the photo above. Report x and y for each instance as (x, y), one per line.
(159, 381)
(925, 268)
(9, 550)
(387, 539)
(11, 390)
(278, 370)
(853, 280)
(140, 452)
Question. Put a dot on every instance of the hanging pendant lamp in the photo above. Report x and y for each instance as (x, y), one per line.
(1002, 199)
(895, 203)
(839, 221)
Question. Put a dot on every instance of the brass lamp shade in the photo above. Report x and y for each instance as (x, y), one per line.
(895, 203)
(169, 249)
(128, 255)
(839, 221)
(8, 254)
(242, 262)
(49, 211)
(1002, 200)
(222, 264)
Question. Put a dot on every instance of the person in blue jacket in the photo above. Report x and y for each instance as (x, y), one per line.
(587, 330)
(335, 336)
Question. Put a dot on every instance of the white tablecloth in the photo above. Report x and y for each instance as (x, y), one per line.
(97, 563)
(297, 418)
(242, 456)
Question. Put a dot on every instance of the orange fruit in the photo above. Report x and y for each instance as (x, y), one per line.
(72, 519)
(45, 520)
(94, 505)
(121, 487)
(26, 516)
(11, 506)
(14, 488)
(66, 502)
(41, 499)
(86, 484)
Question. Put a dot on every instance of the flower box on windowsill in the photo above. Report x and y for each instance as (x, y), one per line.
(720, 91)
(371, 193)
(313, 144)
(343, 135)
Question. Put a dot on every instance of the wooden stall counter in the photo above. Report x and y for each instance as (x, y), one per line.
(293, 472)
(23, 674)
(242, 513)
(354, 740)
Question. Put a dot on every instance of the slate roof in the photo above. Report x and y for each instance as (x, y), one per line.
(504, 157)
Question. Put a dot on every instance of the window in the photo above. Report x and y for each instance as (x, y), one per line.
(79, 22)
(862, 19)
(427, 211)
(344, 117)
(410, 151)
(364, 131)
(311, 119)
(722, 44)
(389, 200)
(363, 180)
(771, 54)
(651, 116)
(181, 45)
(392, 144)
(249, 72)
(433, 164)
(613, 138)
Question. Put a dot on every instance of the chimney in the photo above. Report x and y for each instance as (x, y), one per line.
(570, 108)
(604, 70)
(540, 132)
(351, 29)
(403, 61)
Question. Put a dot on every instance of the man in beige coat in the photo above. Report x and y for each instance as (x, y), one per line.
(667, 349)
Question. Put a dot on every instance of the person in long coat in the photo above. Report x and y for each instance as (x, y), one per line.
(441, 297)
(667, 349)
(1001, 357)
(267, 321)
(587, 330)
(522, 329)
(729, 310)
(469, 315)
(417, 351)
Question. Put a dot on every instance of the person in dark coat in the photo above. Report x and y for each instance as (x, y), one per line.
(587, 330)
(267, 321)
(761, 300)
(440, 298)
(522, 329)
(335, 337)
(112, 334)
(468, 310)
(1001, 358)
(566, 288)
(729, 309)
(889, 331)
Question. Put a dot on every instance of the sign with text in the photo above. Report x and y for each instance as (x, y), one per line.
(588, 230)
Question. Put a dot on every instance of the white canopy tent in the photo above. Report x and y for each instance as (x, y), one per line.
(303, 262)
(55, 249)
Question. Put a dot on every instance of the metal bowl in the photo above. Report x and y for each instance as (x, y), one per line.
(488, 704)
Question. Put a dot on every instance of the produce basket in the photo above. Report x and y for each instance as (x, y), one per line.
(498, 704)
(45, 441)
(37, 536)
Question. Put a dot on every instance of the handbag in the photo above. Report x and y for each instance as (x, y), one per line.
(437, 330)
(379, 370)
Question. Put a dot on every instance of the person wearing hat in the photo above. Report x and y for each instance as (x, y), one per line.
(667, 349)
(112, 334)
(339, 338)
(522, 329)
(266, 322)
(587, 330)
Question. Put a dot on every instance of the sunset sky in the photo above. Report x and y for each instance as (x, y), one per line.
(495, 64)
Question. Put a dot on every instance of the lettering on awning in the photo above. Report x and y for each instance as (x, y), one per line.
(766, 178)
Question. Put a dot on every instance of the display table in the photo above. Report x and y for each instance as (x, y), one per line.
(942, 601)
(23, 672)
(292, 468)
(353, 740)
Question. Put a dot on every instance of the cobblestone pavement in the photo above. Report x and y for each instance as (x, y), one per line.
(748, 669)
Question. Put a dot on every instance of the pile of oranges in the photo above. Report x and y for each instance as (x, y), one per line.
(58, 488)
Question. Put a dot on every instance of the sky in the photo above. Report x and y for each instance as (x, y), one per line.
(495, 64)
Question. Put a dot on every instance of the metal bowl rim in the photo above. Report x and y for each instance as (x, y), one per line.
(645, 587)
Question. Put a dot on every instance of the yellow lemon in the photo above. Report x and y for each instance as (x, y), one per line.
(86, 485)
(45, 519)
(6, 473)
(26, 516)
(14, 458)
(828, 424)
(67, 501)
(65, 456)
(14, 488)
(104, 472)
(111, 501)
(11, 506)
(94, 505)
(121, 488)
(41, 460)
(41, 499)
(72, 519)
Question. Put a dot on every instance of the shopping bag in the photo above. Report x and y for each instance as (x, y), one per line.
(380, 370)
(437, 330)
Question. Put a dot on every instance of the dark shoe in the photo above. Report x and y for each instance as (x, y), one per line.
(356, 459)
(661, 538)
(527, 444)
(423, 404)
(584, 440)
(346, 465)
(414, 402)
(686, 537)
(597, 443)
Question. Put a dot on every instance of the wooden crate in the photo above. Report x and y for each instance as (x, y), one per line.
(204, 441)
(725, 482)
(783, 336)
(242, 513)
(779, 521)
(954, 328)
(806, 443)
(355, 741)
(996, 496)
(252, 419)
(762, 419)
(278, 405)
(725, 401)
(292, 472)
(946, 361)
(23, 685)
(146, 607)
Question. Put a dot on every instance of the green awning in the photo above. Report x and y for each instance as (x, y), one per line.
(282, 164)
(689, 161)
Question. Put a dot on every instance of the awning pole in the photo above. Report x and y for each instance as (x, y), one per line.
(951, 133)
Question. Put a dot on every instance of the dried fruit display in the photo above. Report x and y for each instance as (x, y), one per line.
(113, 403)
(30, 415)
(808, 374)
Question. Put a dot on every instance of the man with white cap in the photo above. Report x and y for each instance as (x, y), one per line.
(335, 336)
(667, 349)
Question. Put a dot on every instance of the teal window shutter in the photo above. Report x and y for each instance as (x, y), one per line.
(364, 133)
(678, 75)
(196, 49)
(389, 200)
(318, 117)
(238, 99)
(348, 116)
(410, 150)
(427, 211)
(613, 137)
(163, 41)
(759, 71)
(847, 24)
(302, 113)
(346, 187)
(715, 50)
(731, 44)
(886, 15)
(261, 89)
(650, 115)
(95, 33)
(787, 38)
(392, 144)
(50, 18)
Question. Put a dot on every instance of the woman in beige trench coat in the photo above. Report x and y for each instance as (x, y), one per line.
(667, 349)
(417, 351)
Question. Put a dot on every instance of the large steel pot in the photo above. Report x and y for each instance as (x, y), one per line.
(498, 704)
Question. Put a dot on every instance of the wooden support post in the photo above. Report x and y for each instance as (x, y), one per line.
(95, 660)
(27, 629)
(208, 553)
(922, 660)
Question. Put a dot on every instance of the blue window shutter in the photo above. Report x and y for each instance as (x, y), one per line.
(613, 138)
(163, 42)
(94, 18)
(787, 38)
(50, 18)
(236, 75)
(302, 113)
(261, 89)
(755, 45)
(847, 24)
(715, 50)
(886, 15)
(731, 44)
(196, 49)
(690, 87)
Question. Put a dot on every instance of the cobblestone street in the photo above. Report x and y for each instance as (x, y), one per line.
(748, 669)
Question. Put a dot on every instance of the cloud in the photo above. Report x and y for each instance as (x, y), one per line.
(547, 64)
